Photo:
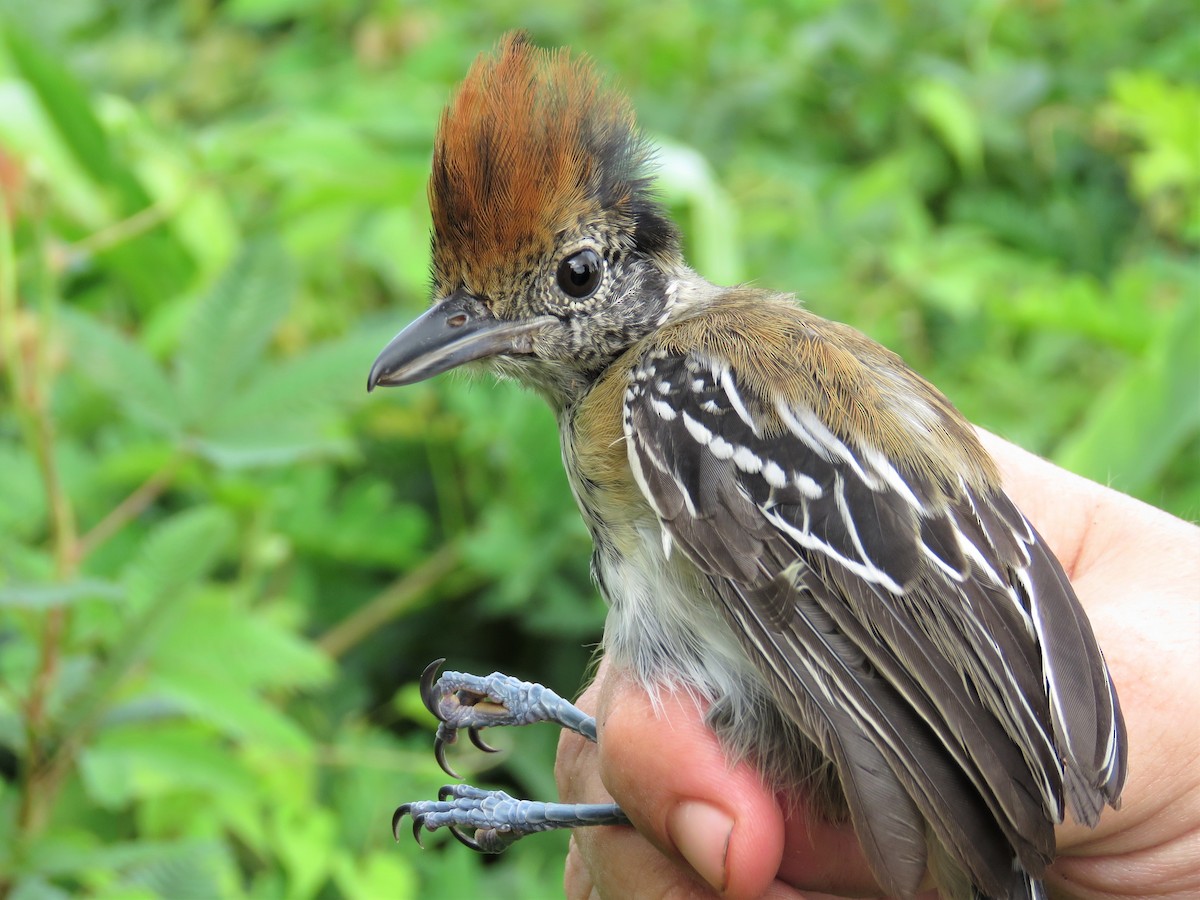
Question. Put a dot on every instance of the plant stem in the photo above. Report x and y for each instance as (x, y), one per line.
(398, 597)
(133, 226)
(25, 343)
(128, 509)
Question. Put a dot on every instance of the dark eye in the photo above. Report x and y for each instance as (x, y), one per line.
(579, 274)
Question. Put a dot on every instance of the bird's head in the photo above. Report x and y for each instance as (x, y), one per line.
(551, 254)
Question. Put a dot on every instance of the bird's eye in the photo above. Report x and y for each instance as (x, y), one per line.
(579, 274)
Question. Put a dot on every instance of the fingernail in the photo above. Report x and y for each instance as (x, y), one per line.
(701, 833)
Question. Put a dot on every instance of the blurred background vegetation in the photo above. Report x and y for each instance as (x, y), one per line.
(222, 565)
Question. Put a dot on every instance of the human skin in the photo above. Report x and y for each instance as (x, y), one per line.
(703, 824)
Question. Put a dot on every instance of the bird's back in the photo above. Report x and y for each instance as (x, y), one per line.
(811, 571)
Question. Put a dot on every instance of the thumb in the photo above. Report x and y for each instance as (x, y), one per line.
(667, 771)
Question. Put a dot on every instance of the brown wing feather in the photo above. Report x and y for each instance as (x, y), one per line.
(928, 604)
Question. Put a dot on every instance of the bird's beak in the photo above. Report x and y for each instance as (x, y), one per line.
(453, 331)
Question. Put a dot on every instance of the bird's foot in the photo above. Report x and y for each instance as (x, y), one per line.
(459, 700)
(497, 819)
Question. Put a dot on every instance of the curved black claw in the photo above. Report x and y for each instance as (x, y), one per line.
(403, 810)
(460, 701)
(470, 843)
(428, 678)
(439, 753)
(446, 732)
(400, 813)
(473, 734)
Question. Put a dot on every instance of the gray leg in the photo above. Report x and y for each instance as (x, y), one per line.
(498, 820)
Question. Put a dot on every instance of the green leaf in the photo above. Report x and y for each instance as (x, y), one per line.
(880, 200)
(229, 331)
(12, 734)
(68, 106)
(949, 113)
(306, 388)
(688, 180)
(1156, 396)
(1164, 121)
(118, 366)
(184, 869)
(286, 411)
(218, 637)
(306, 846)
(22, 499)
(956, 271)
(1078, 303)
(153, 262)
(375, 526)
(407, 274)
(48, 596)
(192, 871)
(178, 554)
(269, 12)
(380, 875)
(233, 707)
(289, 443)
(35, 888)
(218, 660)
(148, 760)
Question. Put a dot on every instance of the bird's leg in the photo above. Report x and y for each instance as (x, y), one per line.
(499, 820)
(459, 700)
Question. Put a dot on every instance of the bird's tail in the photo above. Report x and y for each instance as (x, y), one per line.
(955, 884)
(1024, 887)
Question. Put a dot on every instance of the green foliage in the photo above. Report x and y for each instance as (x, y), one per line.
(221, 568)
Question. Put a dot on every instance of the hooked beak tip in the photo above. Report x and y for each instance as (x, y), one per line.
(375, 378)
(381, 375)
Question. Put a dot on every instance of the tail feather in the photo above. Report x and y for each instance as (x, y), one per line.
(1089, 728)
(1024, 887)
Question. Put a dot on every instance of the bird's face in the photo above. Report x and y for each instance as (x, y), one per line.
(550, 256)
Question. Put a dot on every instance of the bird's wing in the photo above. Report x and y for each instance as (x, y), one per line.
(920, 633)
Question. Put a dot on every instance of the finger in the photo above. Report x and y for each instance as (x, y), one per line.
(670, 774)
(671, 777)
(611, 861)
(656, 763)
(621, 863)
(603, 863)
(577, 881)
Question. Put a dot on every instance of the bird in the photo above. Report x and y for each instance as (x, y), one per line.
(788, 521)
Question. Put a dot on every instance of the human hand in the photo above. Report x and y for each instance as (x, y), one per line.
(1136, 570)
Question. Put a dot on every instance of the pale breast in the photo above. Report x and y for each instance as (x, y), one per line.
(664, 621)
